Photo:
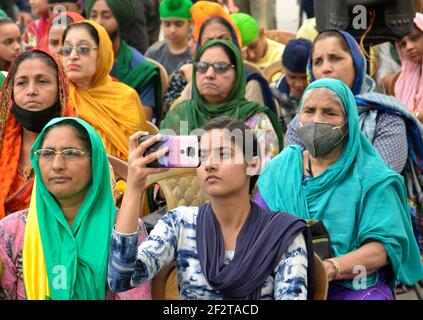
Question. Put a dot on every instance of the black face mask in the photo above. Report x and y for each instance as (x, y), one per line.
(35, 121)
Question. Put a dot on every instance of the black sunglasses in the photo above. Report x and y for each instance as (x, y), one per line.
(218, 67)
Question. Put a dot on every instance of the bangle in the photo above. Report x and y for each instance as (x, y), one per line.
(336, 266)
(417, 114)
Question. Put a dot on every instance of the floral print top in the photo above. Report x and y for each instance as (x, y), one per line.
(12, 231)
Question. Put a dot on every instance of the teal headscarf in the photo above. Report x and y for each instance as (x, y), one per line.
(358, 198)
(81, 249)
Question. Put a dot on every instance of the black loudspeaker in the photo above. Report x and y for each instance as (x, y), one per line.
(393, 19)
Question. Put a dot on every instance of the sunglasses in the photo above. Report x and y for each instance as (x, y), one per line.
(218, 67)
(80, 50)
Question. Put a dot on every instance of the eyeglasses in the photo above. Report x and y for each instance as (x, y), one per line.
(67, 154)
(218, 67)
(80, 50)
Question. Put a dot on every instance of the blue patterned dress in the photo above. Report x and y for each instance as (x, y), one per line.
(174, 239)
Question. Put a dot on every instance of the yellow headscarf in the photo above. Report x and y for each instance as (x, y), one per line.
(112, 108)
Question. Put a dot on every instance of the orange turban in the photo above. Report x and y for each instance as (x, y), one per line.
(201, 11)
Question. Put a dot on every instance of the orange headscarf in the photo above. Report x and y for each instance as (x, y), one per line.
(201, 11)
(15, 193)
(112, 108)
(43, 43)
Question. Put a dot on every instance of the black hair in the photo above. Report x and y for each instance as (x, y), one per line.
(83, 25)
(79, 129)
(228, 52)
(32, 55)
(231, 124)
(331, 34)
(5, 65)
(6, 21)
(215, 19)
(35, 55)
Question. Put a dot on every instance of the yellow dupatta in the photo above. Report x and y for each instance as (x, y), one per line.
(112, 108)
(33, 263)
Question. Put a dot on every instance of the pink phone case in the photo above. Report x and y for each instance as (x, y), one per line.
(183, 152)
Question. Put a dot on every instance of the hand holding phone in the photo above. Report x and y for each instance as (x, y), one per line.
(127, 220)
(182, 151)
(137, 162)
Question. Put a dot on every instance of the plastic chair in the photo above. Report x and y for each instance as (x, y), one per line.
(164, 285)
(249, 66)
(321, 279)
(164, 78)
(120, 167)
(180, 187)
(272, 69)
(280, 36)
(152, 128)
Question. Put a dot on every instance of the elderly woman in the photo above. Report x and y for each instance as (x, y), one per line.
(391, 128)
(340, 179)
(228, 248)
(219, 89)
(34, 92)
(58, 249)
(219, 25)
(112, 108)
(383, 119)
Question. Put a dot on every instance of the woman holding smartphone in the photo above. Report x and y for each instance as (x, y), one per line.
(228, 248)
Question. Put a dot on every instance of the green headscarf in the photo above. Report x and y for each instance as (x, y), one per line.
(82, 250)
(123, 10)
(3, 14)
(358, 197)
(197, 112)
(178, 9)
(2, 78)
(248, 26)
(140, 77)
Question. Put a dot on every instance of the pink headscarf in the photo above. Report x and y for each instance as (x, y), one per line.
(409, 87)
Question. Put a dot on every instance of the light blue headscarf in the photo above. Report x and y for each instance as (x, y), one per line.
(358, 198)
(370, 102)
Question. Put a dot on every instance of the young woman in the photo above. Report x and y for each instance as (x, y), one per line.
(228, 248)
(409, 86)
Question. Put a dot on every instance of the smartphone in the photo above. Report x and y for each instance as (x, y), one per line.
(184, 151)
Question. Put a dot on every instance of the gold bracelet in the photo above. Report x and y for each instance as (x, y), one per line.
(336, 266)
